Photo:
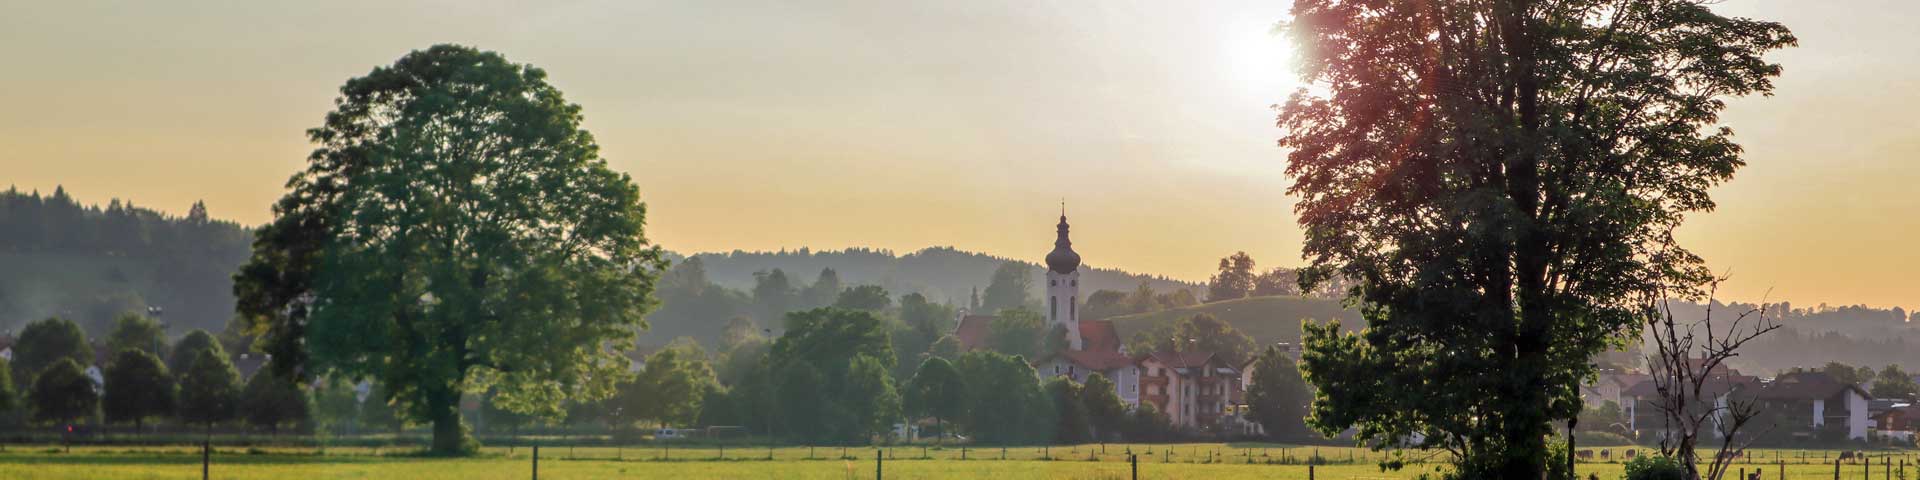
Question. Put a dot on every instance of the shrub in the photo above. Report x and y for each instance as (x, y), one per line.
(1655, 467)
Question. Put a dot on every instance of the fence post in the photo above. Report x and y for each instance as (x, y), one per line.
(1836, 468)
(536, 462)
(877, 457)
(1134, 462)
(1309, 470)
(206, 457)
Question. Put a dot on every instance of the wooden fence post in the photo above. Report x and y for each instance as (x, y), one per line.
(206, 457)
(536, 462)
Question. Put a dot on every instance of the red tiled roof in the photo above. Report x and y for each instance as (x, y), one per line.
(1099, 335)
(1183, 359)
(972, 331)
(1098, 360)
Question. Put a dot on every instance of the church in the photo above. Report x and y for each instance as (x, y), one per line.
(1195, 389)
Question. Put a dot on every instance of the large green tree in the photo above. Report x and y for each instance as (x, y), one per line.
(669, 389)
(62, 393)
(1005, 404)
(454, 206)
(1277, 397)
(1235, 280)
(821, 369)
(1010, 287)
(1501, 179)
(46, 342)
(1017, 331)
(1071, 423)
(936, 391)
(138, 387)
(136, 331)
(189, 347)
(209, 390)
(1892, 382)
(270, 400)
(1106, 412)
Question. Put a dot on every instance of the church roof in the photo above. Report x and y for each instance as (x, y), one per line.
(972, 331)
(1099, 335)
(1063, 259)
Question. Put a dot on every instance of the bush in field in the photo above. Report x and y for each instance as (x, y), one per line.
(1655, 467)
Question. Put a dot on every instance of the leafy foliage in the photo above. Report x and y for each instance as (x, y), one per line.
(453, 204)
(133, 331)
(138, 387)
(209, 389)
(1010, 287)
(824, 369)
(1235, 280)
(936, 391)
(669, 390)
(47, 342)
(189, 347)
(1502, 180)
(1005, 405)
(1277, 397)
(271, 401)
(1017, 331)
(62, 393)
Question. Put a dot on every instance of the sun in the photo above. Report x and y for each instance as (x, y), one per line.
(1261, 61)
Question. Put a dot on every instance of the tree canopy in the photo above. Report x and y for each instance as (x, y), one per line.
(46, 342)
(1501, 179)
(936, 391)
(62, 393)
(209, 389)
(1010, 287)
(453, 203)
(138, 387)
(139, 332)
(1277, 397)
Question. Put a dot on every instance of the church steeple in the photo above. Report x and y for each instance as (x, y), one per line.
(1063, 259)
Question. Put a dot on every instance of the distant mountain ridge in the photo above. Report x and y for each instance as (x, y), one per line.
(943, 274)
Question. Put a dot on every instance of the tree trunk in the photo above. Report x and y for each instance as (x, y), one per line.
(449, 435)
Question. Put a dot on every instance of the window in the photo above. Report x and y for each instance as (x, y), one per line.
(1053, 283)
(1053, 308)
(1073, 307)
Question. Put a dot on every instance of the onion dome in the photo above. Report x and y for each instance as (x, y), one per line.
(1062, 259)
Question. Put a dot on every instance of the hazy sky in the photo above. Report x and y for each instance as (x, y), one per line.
(901, 125)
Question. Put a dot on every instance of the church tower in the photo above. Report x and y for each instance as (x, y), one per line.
(1063, 286)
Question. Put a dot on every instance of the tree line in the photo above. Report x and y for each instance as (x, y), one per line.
(89, 263)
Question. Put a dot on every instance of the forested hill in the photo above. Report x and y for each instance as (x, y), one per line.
(943, 274)
(91, 263)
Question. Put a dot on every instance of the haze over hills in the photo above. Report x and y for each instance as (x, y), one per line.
(943, 274)
(59, 256)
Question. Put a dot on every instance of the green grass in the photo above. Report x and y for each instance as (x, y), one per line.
(1186, 461)
(1266, 319)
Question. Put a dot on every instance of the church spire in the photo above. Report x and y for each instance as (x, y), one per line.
(1063, 259)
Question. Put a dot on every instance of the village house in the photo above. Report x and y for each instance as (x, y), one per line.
(1195, 389)
(1897, 422)
(1816, 401)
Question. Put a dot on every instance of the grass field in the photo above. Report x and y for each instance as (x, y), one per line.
(1183, 461)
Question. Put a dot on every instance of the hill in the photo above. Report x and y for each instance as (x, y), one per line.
(90, 264)
(1267, 319)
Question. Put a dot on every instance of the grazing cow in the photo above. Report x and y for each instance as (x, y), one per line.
(1584, 454)
(1604, 453)
(1846, 455)
(1630, 453)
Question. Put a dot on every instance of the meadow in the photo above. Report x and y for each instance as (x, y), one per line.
(1180, 461)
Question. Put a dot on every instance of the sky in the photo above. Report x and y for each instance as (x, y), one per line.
(908, 124)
